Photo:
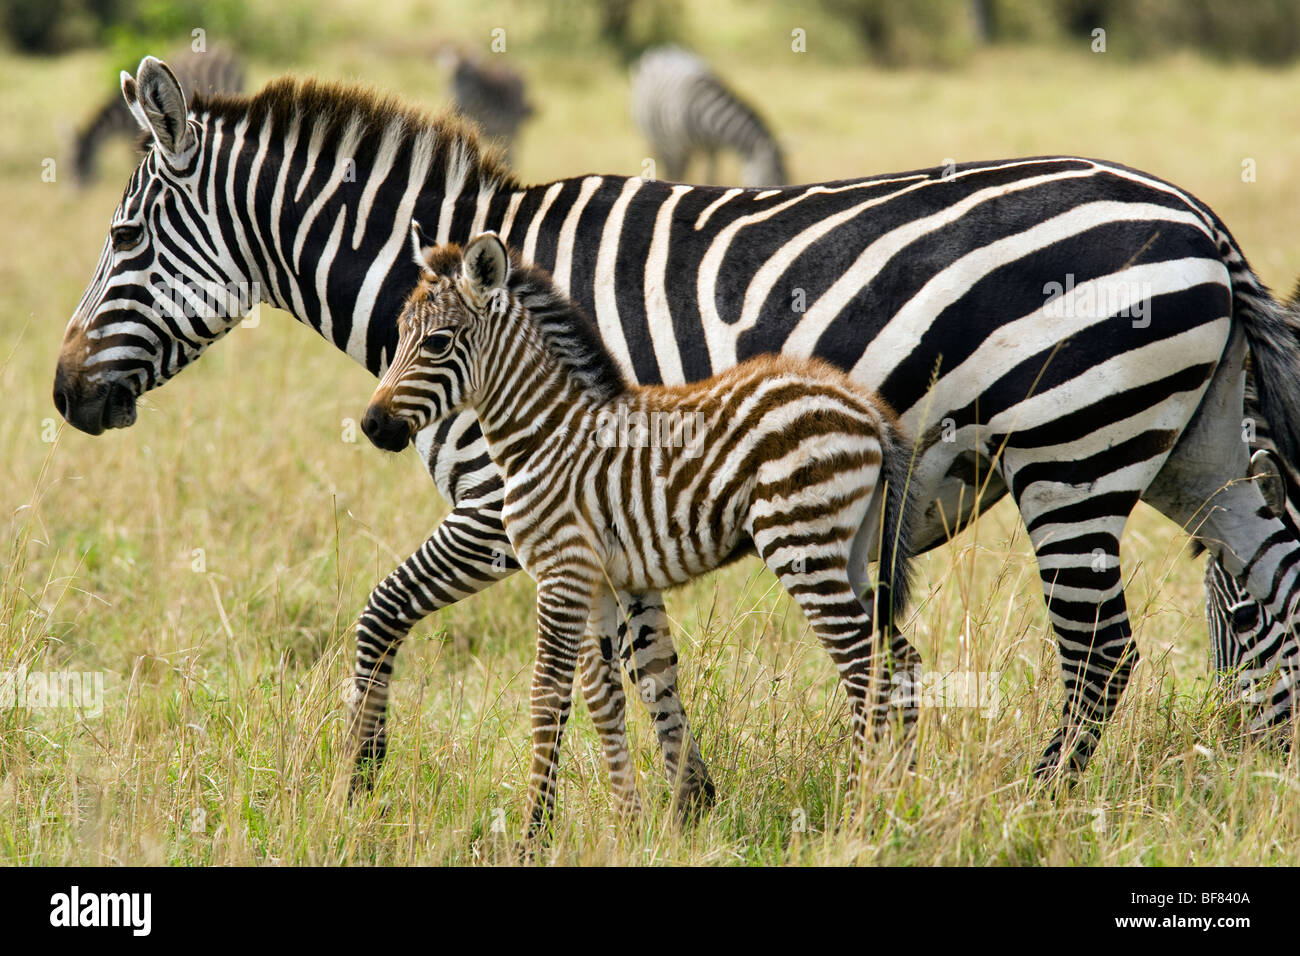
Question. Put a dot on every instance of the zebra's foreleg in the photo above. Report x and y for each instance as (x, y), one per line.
(468, 551)
(645, 644)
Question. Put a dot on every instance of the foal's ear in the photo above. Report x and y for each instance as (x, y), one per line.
(158, 104)
(487, 266)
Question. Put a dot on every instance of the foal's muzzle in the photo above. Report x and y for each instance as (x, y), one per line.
(385, 430)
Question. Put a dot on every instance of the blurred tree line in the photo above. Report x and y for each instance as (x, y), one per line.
(943, 32)
(891, 32)
(128, 27)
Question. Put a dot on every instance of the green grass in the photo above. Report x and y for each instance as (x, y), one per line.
(224, 685)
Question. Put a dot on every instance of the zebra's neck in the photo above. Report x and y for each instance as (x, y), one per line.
(312, 189)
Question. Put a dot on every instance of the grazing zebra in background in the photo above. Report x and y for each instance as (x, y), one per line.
(682, 108)
(215, 71)
(931, 286)
(492, 96)
(787, 457)
(1248, 646)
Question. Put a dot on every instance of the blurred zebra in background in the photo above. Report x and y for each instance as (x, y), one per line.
(1249, 649)
(682, 108)
(214, 71)
(492, 96)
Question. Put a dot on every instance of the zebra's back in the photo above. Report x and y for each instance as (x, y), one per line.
(693, 472)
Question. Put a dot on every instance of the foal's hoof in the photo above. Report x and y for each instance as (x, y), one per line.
(362, 783)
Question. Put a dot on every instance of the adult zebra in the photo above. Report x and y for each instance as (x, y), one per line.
(928, 285)
(494, 97)
(683, 108)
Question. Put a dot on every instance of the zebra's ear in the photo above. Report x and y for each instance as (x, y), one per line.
(487, 266)
(420, 248)
(158, 104)
(1266, 473)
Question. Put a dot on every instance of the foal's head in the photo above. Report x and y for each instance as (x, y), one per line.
(434, 372)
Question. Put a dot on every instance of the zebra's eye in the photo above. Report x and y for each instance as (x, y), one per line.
(1245, 617)
(125, 236)
(438, 342)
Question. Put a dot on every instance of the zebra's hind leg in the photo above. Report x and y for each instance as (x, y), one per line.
(461, 558)
(1075, 522)
(639, 624)
(1249, 651)
(602, 689)
(1085, 601)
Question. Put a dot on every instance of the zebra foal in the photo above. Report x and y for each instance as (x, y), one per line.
(783, 456)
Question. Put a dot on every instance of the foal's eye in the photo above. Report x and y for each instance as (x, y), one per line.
(438, 342)
(125, 236)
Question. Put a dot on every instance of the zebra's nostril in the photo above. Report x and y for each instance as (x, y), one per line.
(61, 391)
(61, 401)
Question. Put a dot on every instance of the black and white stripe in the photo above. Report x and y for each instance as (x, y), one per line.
(682, 109)
(932, 287)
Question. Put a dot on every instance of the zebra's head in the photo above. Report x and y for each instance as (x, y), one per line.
(1244, 636)
(434, 372)
(166, 287)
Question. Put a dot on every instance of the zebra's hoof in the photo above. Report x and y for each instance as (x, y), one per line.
(694, 799)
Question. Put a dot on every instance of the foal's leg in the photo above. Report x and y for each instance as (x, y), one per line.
(564, 600)
(634, 629)
(904, 666)
(645, 644)
(602, 688)
(810, 557)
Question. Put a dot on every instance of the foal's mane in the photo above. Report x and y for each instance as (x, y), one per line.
(328, 110)
(567, 332)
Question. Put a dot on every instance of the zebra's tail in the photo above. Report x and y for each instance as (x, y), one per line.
(1273, 333)
(893, 589)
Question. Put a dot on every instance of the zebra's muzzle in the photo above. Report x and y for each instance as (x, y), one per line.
(111, 405)
(386, 430)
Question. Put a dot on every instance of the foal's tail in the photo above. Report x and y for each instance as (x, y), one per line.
(894, 586)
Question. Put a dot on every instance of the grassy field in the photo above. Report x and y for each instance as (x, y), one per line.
(209, 561)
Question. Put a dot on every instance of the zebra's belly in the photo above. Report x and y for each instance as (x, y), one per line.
(633, 560)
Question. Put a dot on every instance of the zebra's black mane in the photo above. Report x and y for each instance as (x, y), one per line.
(568, 333)
(327, 110)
